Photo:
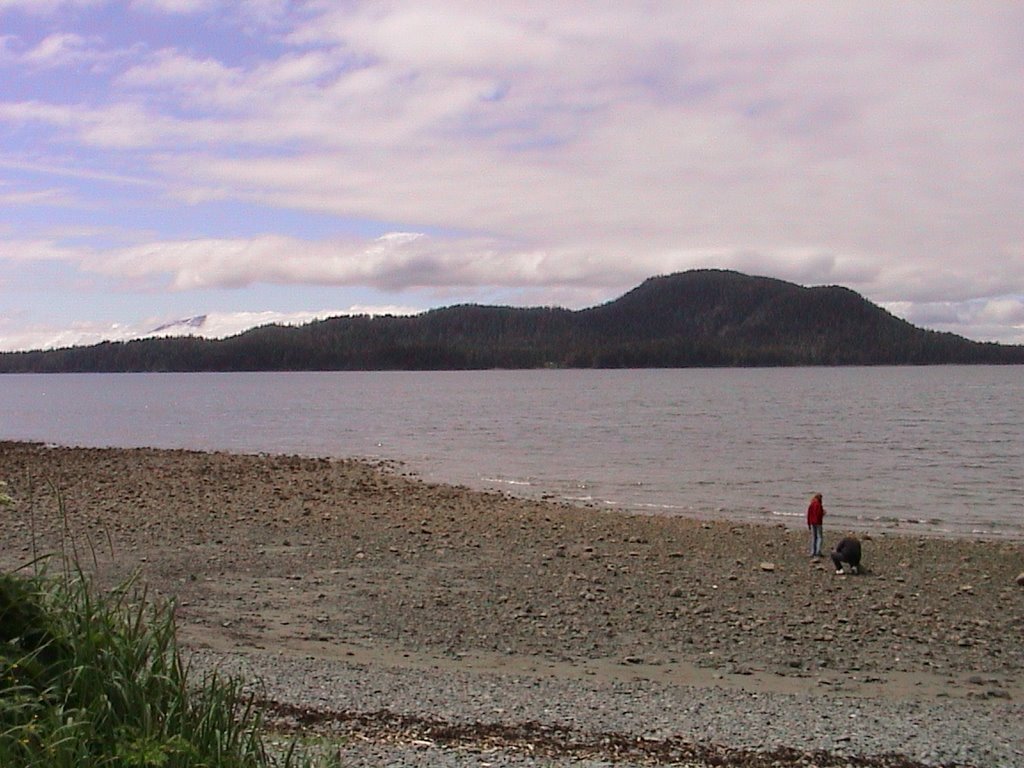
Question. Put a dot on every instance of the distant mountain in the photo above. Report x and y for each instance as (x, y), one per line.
(185, 325)
(688, 319)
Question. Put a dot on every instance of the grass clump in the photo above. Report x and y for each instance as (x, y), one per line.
(91, 681)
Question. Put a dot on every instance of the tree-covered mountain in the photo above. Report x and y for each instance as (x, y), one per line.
(696, 318)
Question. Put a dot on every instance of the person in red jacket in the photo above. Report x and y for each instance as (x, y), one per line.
(815, 520)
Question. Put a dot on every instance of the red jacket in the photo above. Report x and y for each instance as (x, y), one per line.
(815, 512)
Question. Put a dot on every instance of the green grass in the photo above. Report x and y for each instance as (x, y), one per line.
(90, 680)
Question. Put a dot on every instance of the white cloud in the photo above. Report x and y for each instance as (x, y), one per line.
(61, 50)
(403, 140)
(393, 262)
(23, 251)
(177, 6)
(1005, 309)
(56, 50)
(260, 9)
(46, 7)
(443, 36)
(70, 171)
(849, 143)
(117, 126)
(31, 196)
(16, 338)
(451, 269)
(264, 12)
(36, 111)
(173, 69)
(999, 319)
(408, 261)
(215, 325)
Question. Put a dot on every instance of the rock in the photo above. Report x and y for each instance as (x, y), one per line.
(1020, 579)
(768, 566)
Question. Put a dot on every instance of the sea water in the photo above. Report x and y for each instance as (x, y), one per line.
(931, 449)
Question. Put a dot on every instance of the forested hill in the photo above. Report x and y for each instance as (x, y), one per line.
(697, 318)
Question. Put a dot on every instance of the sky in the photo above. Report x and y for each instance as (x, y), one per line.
(231, 164)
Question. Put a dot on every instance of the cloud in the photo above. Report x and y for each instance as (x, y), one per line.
(31, 196)
(1005, 309)
(449, 268)
(176, 6)
(407, 138)
(46, 7)
(999, 319)
(393, 262)
(24, 251)
(61, 50)
(215, 325)
(118, 126)
(264, 10)
(404, 261)
(545, 150)
(57, 50)
(173, 69)
(72, 172)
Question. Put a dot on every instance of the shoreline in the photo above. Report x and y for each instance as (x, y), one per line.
(340, 564)
(856, 525)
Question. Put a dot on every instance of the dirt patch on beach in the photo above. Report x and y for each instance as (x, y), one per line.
(341, 558)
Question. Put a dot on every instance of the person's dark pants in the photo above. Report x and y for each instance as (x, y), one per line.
(838, 558)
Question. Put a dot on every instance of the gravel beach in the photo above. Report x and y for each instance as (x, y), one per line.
(437, 625)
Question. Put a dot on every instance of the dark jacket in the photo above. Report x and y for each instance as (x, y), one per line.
(848, 551)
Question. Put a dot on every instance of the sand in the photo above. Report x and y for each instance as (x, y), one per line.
(342, 559)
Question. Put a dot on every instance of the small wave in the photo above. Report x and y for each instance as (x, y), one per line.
(506, 481)
(651, 505)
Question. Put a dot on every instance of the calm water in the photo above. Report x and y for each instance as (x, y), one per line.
(936, 449)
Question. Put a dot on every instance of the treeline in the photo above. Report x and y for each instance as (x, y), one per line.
(701, 318)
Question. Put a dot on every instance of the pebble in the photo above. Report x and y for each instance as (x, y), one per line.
(388, 561)
(985, 733)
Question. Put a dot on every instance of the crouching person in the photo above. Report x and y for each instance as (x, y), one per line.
(847, 551)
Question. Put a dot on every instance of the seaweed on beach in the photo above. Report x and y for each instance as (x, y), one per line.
(555, 742)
